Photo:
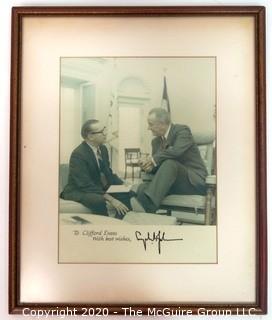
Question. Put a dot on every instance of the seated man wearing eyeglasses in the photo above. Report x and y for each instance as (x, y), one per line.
(90, 174)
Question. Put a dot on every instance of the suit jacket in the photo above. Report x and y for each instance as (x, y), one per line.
(180, 146)
(84, 173)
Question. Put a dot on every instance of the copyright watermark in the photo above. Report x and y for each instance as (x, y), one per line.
(134, 312)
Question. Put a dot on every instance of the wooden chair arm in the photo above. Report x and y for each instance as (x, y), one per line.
(211, 180)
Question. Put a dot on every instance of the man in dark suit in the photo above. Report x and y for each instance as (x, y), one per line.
(176, 162)
(90, 174)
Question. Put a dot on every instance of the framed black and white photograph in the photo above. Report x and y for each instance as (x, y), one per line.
(138, 159)
(137, 150)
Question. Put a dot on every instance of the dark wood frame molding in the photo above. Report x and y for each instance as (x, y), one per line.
(18, 14)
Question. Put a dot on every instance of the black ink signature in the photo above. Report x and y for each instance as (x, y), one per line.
(153, 236)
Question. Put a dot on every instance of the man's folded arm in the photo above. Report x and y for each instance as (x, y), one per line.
(184, 140)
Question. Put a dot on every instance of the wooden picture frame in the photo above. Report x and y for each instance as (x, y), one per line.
(17, 233)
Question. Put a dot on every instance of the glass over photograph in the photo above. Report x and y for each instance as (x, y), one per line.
(137, 147)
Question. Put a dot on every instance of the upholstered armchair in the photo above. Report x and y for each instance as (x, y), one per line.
(68, 206)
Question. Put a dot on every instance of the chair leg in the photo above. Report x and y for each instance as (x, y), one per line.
(214, 216)
(208, 214)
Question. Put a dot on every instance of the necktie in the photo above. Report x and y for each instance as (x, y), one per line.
(99, 158)
(163, 143)
(103, 178)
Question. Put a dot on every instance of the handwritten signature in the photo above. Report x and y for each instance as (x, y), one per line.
(158, 237)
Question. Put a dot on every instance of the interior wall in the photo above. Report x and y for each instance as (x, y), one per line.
(190, 85)
(69, 122)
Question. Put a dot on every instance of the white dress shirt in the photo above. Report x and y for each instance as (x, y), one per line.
(167, 132)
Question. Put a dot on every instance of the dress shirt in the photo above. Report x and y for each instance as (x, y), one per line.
(95, 149)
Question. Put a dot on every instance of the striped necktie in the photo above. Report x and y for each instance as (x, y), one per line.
(103, 177)
(99, 158)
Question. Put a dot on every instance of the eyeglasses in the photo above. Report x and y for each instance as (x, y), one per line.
(101, 131)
